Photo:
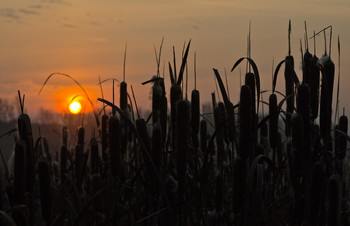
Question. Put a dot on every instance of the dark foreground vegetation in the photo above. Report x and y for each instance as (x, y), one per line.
(176, 167)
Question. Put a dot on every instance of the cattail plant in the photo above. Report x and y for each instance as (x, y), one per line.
(314, 86)
(303, 107)
(25, 134)
(343, 127)
(288, 76)
(298, 139)
(182, 132)
(307, 60)
(94, 156)
(45, 190)
(114, 145)
(327, 71)
(20, 175)
(195, 105)
(238, 184)
(156, 102)
(334, 200)
(273, 122)
(317, 193)
(63, 162)
(104, 137)
(245, 122)
(195, 116)
(220, 121)
(250, 81)
(163, 111)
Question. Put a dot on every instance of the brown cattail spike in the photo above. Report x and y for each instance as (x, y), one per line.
(314, 87)
(273, 122)
(123, 96)
(343, 126)
(289, 92)
(25, 134)
(195, 116)
(327, 70)
(245, 123)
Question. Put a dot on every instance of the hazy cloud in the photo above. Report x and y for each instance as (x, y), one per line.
(35, 6)
(9, 13)
(196, 27)
(28, 12)
(70, 26)
(92, 23)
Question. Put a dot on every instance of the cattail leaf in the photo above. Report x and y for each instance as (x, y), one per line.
(82, 88)
(259, 159)
(294, 75)
(172, 79)
(275, 75)
(183, 64)
(9, 219)
(237, 63)
(256, 73)
(153, 79)
(222, 87)
(279, 106)
(275, 91)
(266, 118)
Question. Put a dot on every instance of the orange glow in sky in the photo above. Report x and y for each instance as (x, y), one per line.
(73, 99)
(86, 39)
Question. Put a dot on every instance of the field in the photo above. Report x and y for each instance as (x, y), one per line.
(235, 165)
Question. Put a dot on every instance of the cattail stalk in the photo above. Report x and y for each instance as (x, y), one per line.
(182, 132)
(45, 191)
(114, 145)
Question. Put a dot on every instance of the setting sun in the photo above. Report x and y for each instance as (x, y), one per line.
(75, 107)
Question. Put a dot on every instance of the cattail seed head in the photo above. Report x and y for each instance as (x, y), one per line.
(245, 123)
(327, 70)
(195, 116)
(343, 126)
(314, 87)
(81, 136)
(273, 122)
(175, 95)
(123, 96)
(288, 76)
(306, 67)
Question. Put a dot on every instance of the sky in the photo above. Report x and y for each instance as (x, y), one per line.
(86, 39)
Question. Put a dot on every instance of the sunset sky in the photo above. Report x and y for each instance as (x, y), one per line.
(86, 39)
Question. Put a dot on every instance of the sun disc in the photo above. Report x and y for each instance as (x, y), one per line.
(75, 107)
